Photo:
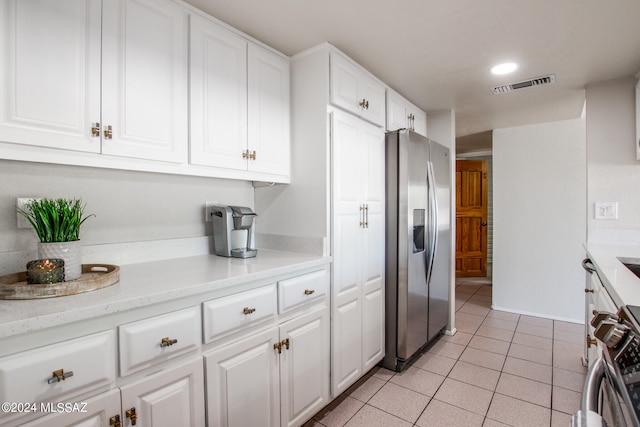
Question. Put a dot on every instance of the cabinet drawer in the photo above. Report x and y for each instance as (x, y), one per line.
(159, 338)
(223, 316)
(58, 372)
(299, 290)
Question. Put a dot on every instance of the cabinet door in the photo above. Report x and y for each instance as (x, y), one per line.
(243, 385)
(98, 412)
(358, 248)
(372, 325)
(373, 248)
(396, 112)
(344, 84)
(171, 397)
(419, 122)
(373, 92)
(304, 367)
(268, 112)
(348, 165)
(144, 80)
(218, 90)
(58, 373)
(356, 91)
(50, 73)
(348, 209)
(346, 341)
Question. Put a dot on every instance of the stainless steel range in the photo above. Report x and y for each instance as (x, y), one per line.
(611, 395)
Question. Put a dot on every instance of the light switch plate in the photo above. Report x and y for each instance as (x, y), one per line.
(606, 210)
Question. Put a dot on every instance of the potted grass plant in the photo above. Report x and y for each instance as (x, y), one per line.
(57, 223)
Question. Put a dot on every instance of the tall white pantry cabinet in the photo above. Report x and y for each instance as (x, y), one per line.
(337, 193)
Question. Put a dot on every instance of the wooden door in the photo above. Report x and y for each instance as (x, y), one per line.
(471, 218)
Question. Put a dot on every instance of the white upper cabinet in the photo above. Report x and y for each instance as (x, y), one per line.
(239, 103)
(144, 80)
(355, 90)
(268, 145)
(218, 68)
(149, 84)
(116, 86)
(401, 114)
(50, 73)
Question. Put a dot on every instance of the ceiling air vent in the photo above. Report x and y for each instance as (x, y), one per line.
(544, 80)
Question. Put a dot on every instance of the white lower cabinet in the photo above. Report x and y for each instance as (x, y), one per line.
(99, 411)
(277, 377)
(304, 367)
(60, 373)
(171, 397)
(271, 369)
(242, 382)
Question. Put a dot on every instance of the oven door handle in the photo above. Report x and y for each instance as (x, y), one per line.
(589, 414)
(591, 390)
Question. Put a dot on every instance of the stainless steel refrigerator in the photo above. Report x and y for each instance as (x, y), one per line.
(418, 244)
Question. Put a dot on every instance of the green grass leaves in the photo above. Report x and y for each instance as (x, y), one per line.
(56, 220)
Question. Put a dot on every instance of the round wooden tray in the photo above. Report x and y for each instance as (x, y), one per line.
(94, 276)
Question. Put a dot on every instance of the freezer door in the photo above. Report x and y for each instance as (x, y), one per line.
(413, 223)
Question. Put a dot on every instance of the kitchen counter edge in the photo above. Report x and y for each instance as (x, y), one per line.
(621, 284)
(151, 283)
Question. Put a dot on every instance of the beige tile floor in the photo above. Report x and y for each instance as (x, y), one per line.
(500, 369)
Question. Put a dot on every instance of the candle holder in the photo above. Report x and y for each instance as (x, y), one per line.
(45, 271)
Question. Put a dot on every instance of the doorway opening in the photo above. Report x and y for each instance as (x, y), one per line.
(473, 219)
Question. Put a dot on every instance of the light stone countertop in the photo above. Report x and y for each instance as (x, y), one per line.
(150, 283)
(621, 284)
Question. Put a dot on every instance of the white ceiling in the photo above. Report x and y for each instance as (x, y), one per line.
(437, 53)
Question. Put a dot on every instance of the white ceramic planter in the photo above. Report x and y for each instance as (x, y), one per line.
(67, 251)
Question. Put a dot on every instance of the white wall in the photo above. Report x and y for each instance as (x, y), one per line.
(129, 206)
(441, 127)
(540, 219)
(613, 171)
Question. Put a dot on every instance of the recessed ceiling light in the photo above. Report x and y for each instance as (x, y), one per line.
(505, 68)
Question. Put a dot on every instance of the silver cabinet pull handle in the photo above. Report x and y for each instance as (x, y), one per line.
(59, 375)
(167, 342)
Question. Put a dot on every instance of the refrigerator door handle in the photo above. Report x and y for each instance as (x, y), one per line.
(433, 223)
